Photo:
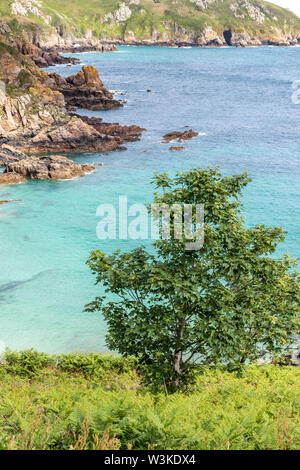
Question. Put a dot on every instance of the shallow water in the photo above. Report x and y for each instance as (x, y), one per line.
(239, 100)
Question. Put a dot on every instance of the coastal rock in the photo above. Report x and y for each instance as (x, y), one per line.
(179, 136)
(85, 90)
(4, 28)
(54, 167)
(9, 201)
(114, 130)
(10, 67)
(22, 116)
(86, 46)
(11, 178)
(74, 136)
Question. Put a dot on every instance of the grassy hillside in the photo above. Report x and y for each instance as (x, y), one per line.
(141, 18)
(98, 402)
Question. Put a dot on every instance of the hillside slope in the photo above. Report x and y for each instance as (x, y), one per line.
(97, 402)
(57, 23)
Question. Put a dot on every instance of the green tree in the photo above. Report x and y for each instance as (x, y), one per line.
(229, 302)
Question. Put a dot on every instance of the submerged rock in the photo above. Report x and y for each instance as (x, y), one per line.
(54, 167)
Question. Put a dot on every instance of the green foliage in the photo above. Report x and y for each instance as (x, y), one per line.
(55, 409)
(229, 303)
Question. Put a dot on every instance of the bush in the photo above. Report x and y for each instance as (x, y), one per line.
(55, 403)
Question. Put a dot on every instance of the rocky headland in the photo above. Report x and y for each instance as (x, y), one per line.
(36, 116)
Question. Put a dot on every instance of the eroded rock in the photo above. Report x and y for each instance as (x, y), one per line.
(120, 133)
(74, 136)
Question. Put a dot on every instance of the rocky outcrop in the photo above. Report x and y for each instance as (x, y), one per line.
(23, 116)
(179, 136)
(175, 149)
(9, 154)
(11, 178)
(83, 46)
(114, 130)
(52, 167)
(85, 90)
(73, 136)
(197, 23)
(34, 117)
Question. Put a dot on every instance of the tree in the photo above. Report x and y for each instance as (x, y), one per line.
(230, 302)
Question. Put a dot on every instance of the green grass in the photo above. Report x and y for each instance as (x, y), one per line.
(97, 402)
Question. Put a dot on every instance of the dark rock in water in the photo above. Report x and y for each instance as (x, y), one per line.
(54, 167)
(174, 149)
(179, 136)
(85, 90)
(149, 91)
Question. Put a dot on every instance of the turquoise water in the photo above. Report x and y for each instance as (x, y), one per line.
(239, 100)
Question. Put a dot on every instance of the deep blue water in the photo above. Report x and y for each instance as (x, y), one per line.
(239, 100)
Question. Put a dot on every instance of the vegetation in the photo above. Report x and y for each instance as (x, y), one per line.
(228, 303)
(147, 15)
(95, 401)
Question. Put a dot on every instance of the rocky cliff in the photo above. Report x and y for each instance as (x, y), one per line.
(79, 25)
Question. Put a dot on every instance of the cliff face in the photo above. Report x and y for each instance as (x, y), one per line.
(55, 24)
